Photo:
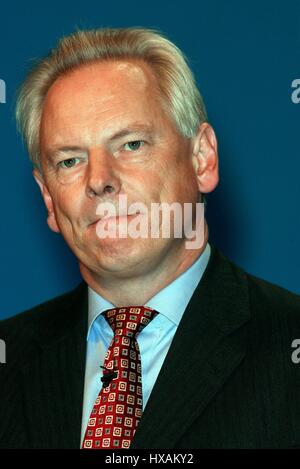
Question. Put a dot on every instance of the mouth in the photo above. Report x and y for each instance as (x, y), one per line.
(116, 218)
(116, 226)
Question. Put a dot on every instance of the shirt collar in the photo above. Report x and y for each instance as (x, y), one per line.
(171, 301)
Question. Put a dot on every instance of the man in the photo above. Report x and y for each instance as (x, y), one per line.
(115, 113)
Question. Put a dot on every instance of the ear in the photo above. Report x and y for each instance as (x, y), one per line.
(205, 158)
(52, 223)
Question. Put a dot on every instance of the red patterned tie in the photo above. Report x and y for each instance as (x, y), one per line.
(119, 405)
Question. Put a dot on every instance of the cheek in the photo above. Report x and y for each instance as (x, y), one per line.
(66, 203)
(181, 183)
(61, 181)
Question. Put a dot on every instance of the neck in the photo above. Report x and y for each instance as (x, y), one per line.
(139, 289)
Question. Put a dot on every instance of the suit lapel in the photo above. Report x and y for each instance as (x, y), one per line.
(55, 377)
(208, 346)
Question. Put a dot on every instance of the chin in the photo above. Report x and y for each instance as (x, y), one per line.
(114, 251)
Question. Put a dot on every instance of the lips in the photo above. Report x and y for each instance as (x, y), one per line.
(118, 216)
(115, 226)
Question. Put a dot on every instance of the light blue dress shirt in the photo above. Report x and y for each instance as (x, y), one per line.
(154, 340)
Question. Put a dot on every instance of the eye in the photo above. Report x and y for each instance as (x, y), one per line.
(134, 145)
(69, 163)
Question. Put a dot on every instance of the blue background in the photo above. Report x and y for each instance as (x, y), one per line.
(245, 56)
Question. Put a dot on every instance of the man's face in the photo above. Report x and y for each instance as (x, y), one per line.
(104, 134)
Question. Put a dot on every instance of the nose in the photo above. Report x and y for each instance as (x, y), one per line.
(102, 178)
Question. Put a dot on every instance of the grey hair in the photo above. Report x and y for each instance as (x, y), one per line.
(180, 96)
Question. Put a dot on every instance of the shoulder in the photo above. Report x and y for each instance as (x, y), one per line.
(275, 322)
(46, 321)
(46, 311)
(272, 301)
(263, 295)
(273, 313)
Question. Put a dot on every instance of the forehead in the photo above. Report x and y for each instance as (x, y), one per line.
(107, 73)
(107, 93)
(102, 82)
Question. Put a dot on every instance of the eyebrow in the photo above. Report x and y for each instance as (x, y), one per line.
(134, 129)
(67, 149)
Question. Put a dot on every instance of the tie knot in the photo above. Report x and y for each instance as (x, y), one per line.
(129, 321)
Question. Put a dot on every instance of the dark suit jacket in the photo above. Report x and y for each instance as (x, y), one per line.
(228, 380)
